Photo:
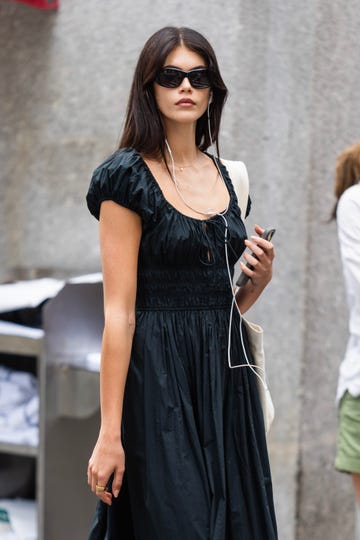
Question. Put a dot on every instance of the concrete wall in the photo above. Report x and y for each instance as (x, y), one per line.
(292, 71)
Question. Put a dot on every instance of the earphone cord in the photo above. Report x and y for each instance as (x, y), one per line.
(208, 212)
(253, 367)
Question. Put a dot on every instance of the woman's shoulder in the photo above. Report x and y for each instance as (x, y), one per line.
(124, 159)
(350, 198)
(348, 213)
(353, 192)
(121, 178)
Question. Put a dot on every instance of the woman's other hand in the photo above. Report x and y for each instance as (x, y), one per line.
(107, 458)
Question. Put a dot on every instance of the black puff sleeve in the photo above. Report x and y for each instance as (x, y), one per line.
(248, 207)
(122, 179)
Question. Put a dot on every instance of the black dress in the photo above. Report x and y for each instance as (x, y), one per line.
(196, 457)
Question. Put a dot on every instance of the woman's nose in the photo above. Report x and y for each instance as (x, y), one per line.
(186, 84)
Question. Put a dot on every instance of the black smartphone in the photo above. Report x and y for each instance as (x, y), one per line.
(243, 278)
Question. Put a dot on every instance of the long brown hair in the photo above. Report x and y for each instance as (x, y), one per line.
(143, 128)
(347, 172)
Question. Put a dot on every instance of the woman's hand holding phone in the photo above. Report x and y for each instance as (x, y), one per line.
(259, 263)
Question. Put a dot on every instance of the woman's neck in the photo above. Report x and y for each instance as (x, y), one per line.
(181, 139)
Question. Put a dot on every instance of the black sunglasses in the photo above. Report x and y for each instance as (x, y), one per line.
(170, 77)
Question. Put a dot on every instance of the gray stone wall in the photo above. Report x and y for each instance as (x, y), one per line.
(292, 71)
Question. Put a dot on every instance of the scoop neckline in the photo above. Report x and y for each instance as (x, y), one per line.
(176, 210)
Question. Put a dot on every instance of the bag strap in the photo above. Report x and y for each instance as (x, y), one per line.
(240, 180)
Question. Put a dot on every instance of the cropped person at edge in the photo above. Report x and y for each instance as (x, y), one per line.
(347, 215)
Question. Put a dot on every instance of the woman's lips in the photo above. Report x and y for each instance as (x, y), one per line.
(185, 102)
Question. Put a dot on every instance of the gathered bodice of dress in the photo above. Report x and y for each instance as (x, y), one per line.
(182, 260)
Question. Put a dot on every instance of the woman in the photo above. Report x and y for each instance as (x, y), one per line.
(192, 441)
(347, 215)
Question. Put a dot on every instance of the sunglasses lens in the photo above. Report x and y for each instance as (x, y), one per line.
(170, 78)
(200, 78)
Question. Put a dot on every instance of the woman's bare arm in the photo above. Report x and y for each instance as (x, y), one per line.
(120, 234)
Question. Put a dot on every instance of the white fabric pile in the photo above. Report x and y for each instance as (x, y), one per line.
(19, 407)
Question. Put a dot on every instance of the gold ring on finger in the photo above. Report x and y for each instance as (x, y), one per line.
(100, 488)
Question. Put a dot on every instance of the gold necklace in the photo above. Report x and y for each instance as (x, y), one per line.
(182, 167)
(187, 166)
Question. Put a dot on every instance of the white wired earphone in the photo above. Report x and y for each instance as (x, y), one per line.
(211, 212)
